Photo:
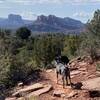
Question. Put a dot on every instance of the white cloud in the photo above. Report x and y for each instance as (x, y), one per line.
(30, 2)
(82, 14)
(28, 15)
(1, 1)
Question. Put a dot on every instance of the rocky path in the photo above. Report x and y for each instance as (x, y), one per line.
(50, 90)
(83, 73)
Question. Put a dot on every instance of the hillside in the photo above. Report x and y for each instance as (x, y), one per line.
(52, 23)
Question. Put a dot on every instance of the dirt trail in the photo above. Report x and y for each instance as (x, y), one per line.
(87, 71)
(50, 78)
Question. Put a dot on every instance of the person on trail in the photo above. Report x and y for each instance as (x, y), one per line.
(58, 55)
(61, 59)
(64, 60)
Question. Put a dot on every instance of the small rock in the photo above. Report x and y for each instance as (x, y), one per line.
(58, 93)
(49, 70)
(20, 84)
(53, 98)
(63, 95)
(73, 64)
(71, 94)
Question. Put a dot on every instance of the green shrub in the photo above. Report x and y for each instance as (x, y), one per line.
(23, 33)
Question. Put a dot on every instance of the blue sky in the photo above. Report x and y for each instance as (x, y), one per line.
(30, 9)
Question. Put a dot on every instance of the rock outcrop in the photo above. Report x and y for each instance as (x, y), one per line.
(92, 84)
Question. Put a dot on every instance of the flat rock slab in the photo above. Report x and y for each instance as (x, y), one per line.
(46, 89)
(82, 64)
(72, 76)
(73, 64)
(21, 98)
(11, 98)
(28, 89)
(92, 84)
(75, 72)
(91, 76)
(71, 94)
(82, 69)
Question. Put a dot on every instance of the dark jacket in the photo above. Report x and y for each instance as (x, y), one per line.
(62, 59)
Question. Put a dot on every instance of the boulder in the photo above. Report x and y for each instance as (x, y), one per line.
(28, 89)
(92, 84)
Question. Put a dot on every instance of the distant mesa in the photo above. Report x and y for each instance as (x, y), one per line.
(52, 23)
(14, 17)
(13, 22)
(43, 23)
